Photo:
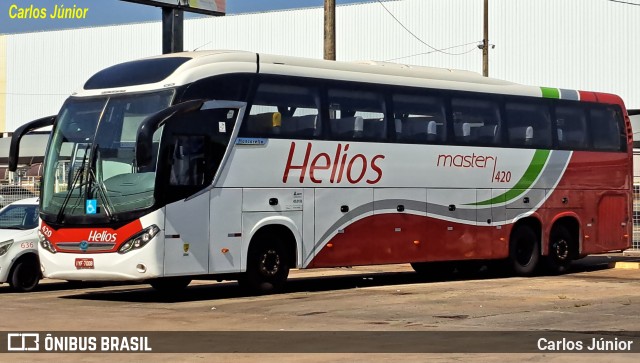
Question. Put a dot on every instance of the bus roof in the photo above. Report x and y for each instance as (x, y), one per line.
(202, 64)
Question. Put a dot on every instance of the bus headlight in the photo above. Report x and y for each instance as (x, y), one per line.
(140, 239)
(44, 243)
(4, 247)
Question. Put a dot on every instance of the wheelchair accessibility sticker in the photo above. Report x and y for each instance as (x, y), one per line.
(91, 206)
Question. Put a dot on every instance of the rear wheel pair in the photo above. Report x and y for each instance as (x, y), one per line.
(524, 251)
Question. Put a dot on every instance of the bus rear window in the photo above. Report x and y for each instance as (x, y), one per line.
(606, 129)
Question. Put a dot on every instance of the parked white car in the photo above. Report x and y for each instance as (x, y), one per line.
(19, 264)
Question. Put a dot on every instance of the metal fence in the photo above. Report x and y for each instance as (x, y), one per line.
(636, 217)
(18, 189)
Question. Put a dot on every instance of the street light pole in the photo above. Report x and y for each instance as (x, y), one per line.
(485, 41)
(330, 29)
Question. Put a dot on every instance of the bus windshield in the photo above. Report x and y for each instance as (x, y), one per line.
(90, 167)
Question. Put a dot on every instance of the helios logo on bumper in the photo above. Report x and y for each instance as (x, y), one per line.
(104, 236)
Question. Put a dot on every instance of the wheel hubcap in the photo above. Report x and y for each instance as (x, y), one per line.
(270, 263)
(561, 249)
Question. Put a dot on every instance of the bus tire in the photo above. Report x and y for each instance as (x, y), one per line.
(25, 274)
(267, 267)
(524, 251)
(170, 284)
(558, 261)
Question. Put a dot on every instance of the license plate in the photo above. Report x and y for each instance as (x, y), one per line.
(84, 263)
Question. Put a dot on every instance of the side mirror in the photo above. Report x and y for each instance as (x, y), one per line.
(144, 138)
(14, 147)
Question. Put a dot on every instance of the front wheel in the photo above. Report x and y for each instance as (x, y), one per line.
(524, 251)
(25, 275)
(267, 268)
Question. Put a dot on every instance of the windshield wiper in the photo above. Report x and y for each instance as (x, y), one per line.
(99, 186)
(76, 178)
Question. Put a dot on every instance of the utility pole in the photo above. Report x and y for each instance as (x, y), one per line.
(485, 41)
(172, 30)
(330, 29)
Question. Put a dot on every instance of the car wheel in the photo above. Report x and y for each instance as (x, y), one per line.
(25, 274)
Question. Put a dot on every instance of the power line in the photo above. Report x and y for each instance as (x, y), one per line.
(415, 36)
(433, 51)
(624, 2)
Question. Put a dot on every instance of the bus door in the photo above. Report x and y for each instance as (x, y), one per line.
(192, 151)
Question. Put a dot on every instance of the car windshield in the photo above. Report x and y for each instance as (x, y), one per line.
(90, 167)
(19, 216)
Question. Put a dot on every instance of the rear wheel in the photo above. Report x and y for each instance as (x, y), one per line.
(170, 284)
(25, 274)
(524, 251)
(558, 260)
(267, 267)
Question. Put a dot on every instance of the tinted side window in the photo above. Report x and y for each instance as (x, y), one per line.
(606, 129)
(284, 111)
(476, 122)
(419, 119)
(529, 125)
(356, 115)
(571, 127)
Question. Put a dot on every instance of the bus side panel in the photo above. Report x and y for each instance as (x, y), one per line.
(187, 237)
(225, 251)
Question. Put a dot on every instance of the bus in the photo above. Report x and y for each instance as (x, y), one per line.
(232, 165)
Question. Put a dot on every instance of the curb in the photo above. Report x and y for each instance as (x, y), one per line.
(625, 265)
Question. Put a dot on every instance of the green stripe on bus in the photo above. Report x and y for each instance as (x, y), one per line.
(550, 92)
(530, 175)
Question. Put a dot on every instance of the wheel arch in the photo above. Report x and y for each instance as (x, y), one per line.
(280, 226)
(572, 223)
(533, 221)
(23, 255)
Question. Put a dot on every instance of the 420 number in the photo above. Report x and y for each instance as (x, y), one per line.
(502, 177)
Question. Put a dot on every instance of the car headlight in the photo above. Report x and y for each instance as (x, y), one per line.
(4, 247)
(140, 239)
(44, 243)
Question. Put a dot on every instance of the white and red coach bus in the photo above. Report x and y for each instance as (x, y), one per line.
(237, 165)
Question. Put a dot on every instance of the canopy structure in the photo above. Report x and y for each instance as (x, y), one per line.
(32, 149)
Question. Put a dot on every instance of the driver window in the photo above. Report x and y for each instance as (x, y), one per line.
(188, 160)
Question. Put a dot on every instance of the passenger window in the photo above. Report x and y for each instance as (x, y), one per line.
(529, 125)
(283, 111)
(476, 122)
(356, 115)
(606, 129)
(419, 119)
(571, 127)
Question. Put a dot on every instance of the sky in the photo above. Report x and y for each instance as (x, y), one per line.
(105, 12)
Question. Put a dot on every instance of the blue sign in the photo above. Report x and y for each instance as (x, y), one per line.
(91, 207)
